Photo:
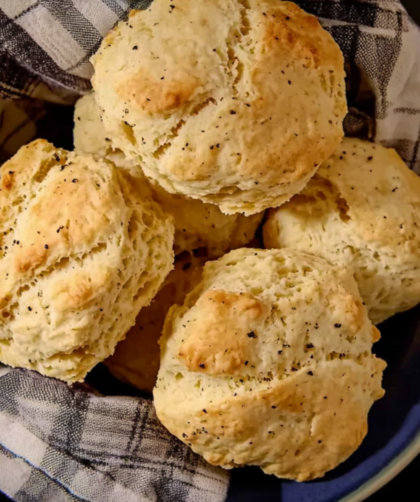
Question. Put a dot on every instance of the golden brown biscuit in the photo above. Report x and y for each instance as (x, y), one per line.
(361, 210)
(197, 225)
(269, 363)
(83, 249)
(230, 102)
(136, 359)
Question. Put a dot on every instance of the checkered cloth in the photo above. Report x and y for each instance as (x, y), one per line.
(59, 443)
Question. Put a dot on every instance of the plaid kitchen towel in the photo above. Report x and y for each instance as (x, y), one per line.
(61, 443)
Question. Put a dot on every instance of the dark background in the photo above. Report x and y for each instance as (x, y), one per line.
(413, 7)
(410, 475)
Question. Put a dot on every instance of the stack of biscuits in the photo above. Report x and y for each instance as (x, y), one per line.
(213, 238)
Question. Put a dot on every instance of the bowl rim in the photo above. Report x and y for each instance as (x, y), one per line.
(389, 472)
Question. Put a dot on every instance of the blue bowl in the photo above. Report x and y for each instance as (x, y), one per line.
(392, 442)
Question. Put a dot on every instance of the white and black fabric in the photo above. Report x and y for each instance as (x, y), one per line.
(381, 45)
(59, 443)
(63, 444)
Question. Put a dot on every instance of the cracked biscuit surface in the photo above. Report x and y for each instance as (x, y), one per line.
(268, 362)
(361, 210)
(234, 103)
(83, 249)
(136, 359)
(197, 225)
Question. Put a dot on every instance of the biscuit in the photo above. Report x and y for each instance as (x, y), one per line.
(197, 225)
(200, 225)
(269, 363)
(83, 248)
(136, 359)
(231, 102)
(361, 210)
(89, 134)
